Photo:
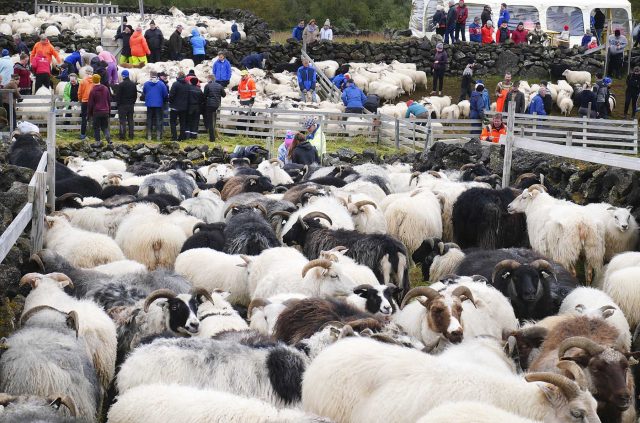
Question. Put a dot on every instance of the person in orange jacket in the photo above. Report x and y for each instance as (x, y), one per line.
(139, 47)
(45, 48)
(83, 97)
(247, 89)
(493, 131)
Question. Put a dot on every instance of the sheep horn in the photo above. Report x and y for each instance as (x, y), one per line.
(37, 260)
(575, 370)
(61, 277)
(434, 174)
(503, 265)
(319, 214)
(581, 342)
(316, 263)
(310, 190)
(67, 160)
(568, 387)
(538, 187)
(72, 317)
(70, 195)
(362, 286)
(424, 291)
(259, 207)
(255, 303)
(282, 213)
(415, 175)
(6, 399)
(452, 245)
(280, 189)
(467, 166)
(246, 260)
(210, 166)
(66, 401)
(30, 278)
(463, 292)
(415, 192)
(524, 176)
(362, 203)
(543, 265)
(198, 226)
(158, 293)
(607, 311)
(228, 209)
(339, 248)
(335, 323)
(29, 313)
(198, 291)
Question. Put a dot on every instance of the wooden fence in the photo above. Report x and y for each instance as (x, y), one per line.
(82, 9)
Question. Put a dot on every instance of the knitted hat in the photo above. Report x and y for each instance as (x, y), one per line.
(309, 122)
(566, 27)
(409, 103)
(5, 52)
(607, 80)
(125, 73)
(288, 138)
(95, 78)
(439, 46)
(327, 23)
(244, 72)
(152, 22)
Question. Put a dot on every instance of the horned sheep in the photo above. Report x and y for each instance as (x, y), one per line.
(621, 228)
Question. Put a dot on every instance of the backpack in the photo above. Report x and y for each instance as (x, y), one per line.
(254, 153)
(601, 94)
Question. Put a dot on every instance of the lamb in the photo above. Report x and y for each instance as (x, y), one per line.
(561, 230)
(466, 411)
(218, 316)
(174, 182)
(365, 375)
(211, 269)
(577, 77)
(437, 258)
(46, 356)
(95, 326)
(191, 405)
(621, 229)
(450, 112)
(465, 108)
(269, 371)
(80, 247)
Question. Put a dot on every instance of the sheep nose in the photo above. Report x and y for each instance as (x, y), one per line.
(623, 401)
(386, 309)
(624, 227)
(195, 324)
(455, 337)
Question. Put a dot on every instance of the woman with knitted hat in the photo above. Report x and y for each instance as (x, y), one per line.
(98, 109)
(440, 61)
(326, 33)
(284, 147)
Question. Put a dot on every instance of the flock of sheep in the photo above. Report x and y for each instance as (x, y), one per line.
(281, 293)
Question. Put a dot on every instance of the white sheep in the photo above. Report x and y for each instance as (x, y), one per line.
(218, 315)
(205, 205)
(471, 411)
(367, 217)
(566, 105)
(121, 267)
(622, 286)
(330, 205)
(450, 112)
(81, 248)
(620, 261)
(577, 77)
(621, 229)
(273, 169)
(272, 258)
(465, 108)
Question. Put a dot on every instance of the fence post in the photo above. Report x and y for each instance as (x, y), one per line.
(429, 132)
(37, 220)
(273, 134)
(323, 139)
(508, 148)
(569, 141)
(535, 125)
(51, 159)
(414, 136)
(397, 134)
(635, 127)
(12, 111)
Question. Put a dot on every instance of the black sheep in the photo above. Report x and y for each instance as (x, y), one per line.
(471, 171)
(247, 231)
(83, 185)
(328, 181)
(143, 168)
(68, 201)
(163, 201)
(480, 219)
(113, 190)
(206, 236)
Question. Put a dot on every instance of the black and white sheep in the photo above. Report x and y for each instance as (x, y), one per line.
(247, 231)
(175, 182)
(437, 258)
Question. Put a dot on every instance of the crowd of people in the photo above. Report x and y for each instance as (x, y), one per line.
(311, 33)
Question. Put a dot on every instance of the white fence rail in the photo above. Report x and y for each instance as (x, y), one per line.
(83, 9)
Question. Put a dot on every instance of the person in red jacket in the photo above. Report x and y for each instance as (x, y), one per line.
(487, 33)
(99, 109)
(462, 13)
(22, 69)
(41, 67)
(503, 33)
(520, 35)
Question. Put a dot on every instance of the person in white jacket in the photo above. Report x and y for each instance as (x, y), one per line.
(326, 33)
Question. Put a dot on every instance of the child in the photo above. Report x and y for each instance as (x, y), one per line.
(284, 147)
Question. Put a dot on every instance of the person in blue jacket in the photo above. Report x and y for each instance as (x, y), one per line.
(255, 60)
(222, 70)
(155, 95)
(74, 60)
(477, 105)
(485, 95)
(307, 81)
(235, 34)
(298, 30)
(537, 104)
(416, 109)
(197, 45)
(504, 14)
(353, 98)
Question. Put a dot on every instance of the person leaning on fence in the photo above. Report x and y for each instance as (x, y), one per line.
(139, 48)
(353, 98)
(518, 97)
(178, 106)
(175, 44)
(125, 36)
(476, 109)
(467, 83)
(372, 103)
(302, 152)
(503, 34)
(537, 104)
(440, 61)
(213, 93)
(125, 98)
(439, 20)
(283, 149)
(452, 18)
(493, 131)
(99, 109)
(74, 60)
(487, 33)
(537, 35)
(9, 99)
(462, 13)
(475, 31)
(632, 91)
(198, 44)
(587, 103)
(417, 110)
(246, 89)
(155, 40)
(222, 70)
(315, 135)
(196, 103)
(83, 95)
(41, 67)
(70, 93)
(307, 81)
(155, 95)
(520, 35)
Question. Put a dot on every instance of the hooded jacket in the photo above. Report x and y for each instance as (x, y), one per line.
(442, 58)
(138, 44)
(126, 43)
(197, 42)
(175, 42)
(179, 95)
(74, 60)
(107, 57)
(235, 34)
(305, 154)
(85, 88)
(155, 93)
(222, 70)
(46, 49)
(487, 34)
(253, 61)
(154, 38)
(25, 75)
(353, 97)
(99, 100)
(213, 93)
(6, 69)
(126, 93)
(476, 105)
(504, 17)
(306, 78)
(41, 65)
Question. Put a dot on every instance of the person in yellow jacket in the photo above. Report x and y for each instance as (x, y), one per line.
(83, 97)
(246, 89)
(315, 135)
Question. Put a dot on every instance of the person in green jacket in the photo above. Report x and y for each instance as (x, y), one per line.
(70, 93)
(315, 135)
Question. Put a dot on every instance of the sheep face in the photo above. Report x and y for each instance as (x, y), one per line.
(181, 314)
(522, 283)
(522, 202)
(443, 316)
(621, 217)
(377, 299)
(261, 185)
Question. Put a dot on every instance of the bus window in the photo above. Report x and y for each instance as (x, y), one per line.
(528, 15)
(619, 20)
(559, 16)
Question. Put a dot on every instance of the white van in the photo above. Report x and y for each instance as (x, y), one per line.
(551, 15)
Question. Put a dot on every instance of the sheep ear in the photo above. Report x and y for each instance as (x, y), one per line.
(553, 395)
(48, 222)
(629, 208)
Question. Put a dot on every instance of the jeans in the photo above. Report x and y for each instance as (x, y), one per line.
(198, 58)
(599, 34)
(210, 121)
(101, 123)
(175, 117)
(154, 121)
(42, 79)
(630, 99)
(449, 33)
(460, 29)
(83, 118)
(438, 79)
(303, 96)
(193, 120)
(125, 116)
(603, 111)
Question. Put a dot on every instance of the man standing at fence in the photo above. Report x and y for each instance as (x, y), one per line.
(125, 98)
(155, 95)
(70, 93)
(536, 107)
(22, 68)
(213, 93)
(246, 89)
(307, 81)
(175, 44)
(99, 109)
(125, 36)
(155, 40)
(502, 89)
(452, 18)
(196, 103)
(178, 106)
(222, 70)
(617, 44)
(41, 67)
(83, 95)
(602, 97)
(353, 98)
(518, 96)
